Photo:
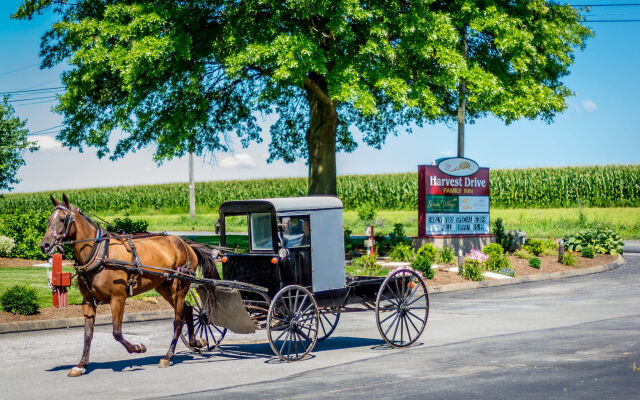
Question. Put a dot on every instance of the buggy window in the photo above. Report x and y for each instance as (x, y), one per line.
(261, 233)
(237, 232)
(296, 231)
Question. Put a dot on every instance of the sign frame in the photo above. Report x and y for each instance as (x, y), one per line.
(436, 186)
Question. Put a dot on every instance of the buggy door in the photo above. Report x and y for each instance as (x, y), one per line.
(296, 237)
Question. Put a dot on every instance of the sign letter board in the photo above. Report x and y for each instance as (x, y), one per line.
(453, 198)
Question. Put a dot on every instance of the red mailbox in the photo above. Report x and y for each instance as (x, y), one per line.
(60, 282)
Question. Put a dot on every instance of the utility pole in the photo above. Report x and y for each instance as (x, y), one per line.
(462, 98)
(192, 189)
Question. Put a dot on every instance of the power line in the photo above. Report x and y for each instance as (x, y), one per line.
(35, 102)
(43, 134)
(607, 5)
(31, 99)
(44, 130)
(49, 89)
(18, 69)
(611, 20)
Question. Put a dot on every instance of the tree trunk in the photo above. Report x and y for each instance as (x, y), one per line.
(321, 137)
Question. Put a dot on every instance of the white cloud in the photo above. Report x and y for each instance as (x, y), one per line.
(242, 160)
(46, 143)
(589, 106)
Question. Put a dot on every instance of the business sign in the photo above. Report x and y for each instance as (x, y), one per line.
(453, 198)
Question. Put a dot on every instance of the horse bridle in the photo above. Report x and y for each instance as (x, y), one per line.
(69, 219)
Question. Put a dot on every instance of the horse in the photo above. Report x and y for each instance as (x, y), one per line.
(98, 255)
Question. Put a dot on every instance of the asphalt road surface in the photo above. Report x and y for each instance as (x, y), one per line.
(576, 338)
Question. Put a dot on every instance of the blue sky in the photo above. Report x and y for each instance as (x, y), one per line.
(599, 127)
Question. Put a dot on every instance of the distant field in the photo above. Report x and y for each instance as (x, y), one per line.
(593, 186)
(555, 222)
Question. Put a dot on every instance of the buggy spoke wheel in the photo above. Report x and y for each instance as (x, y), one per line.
(402, 308)
(292, 323)
(328, 323)
(202, 328)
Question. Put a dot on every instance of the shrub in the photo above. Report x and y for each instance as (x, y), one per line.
(129, 225)
(446, 256)
(428, 250)
(26, 229)
(569, 259)
(20, 299)
(348, 246)
(550, 247)
(522, 253)
(367, 213)
(587, 252)
(472, 270)
(422, 263)
(603, 240)
(507, 271)
(402, 252)
(493, 249)
(498, 262)
(534, 246)
(6, 246)
(535, 262)
(502, 238)
(367, 263)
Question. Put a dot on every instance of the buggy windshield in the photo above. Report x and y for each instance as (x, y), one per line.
(261, 233)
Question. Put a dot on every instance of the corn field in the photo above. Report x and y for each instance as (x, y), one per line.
(596, 186)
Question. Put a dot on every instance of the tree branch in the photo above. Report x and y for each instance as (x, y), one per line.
(322, 96)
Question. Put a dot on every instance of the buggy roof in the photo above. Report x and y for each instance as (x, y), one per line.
(284, 204)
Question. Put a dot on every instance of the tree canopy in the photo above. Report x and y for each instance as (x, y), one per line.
(183, 75)
(13, 144)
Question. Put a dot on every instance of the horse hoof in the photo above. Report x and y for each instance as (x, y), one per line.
(164, 363)
(76, 371)
(203, 342)
(140, 348)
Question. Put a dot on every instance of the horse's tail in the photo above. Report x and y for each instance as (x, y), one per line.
(206, 259)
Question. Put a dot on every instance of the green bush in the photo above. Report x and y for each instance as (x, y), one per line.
(26, 229)
(129, 225)
(348, 246)
(446, 256)
(6, 246)
(603, 240)
(502, 238)
(422, 263)
(428, 250)
(534, 246)
(367, 264)
(569, 259)
(20, 299)
(498, 262)
(535, 262)
(367, 213)
(402, 252)
(522, 253)
(472, 270)
(493, 249)
(587, 252)
(550, 248)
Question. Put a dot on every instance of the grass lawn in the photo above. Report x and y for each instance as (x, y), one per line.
(554, 222)
(36, 277)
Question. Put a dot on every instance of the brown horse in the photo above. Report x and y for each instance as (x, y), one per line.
(100, 281)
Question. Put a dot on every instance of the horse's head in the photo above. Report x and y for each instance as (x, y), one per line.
(59, 227)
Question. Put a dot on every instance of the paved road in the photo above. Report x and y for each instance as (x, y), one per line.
(575, 338)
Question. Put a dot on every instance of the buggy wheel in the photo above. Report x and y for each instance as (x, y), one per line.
(402, 308)
(202, 328)
(328, 322)
(292, 323)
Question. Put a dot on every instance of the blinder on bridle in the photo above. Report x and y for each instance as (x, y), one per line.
(69, 219)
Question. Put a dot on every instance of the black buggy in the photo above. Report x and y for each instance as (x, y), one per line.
(290, 279)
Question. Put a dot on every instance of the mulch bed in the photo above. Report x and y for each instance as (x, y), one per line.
(442, 277)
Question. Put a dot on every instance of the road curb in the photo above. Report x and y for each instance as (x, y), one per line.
(21, 326)
(454, 287)
(10, 327)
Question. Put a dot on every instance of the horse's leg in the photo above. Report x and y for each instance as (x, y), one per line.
(174, 292)
(117, 310)
(89, 312)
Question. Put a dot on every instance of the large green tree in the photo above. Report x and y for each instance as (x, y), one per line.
(13, 144)
(183, 75)
(515, 54)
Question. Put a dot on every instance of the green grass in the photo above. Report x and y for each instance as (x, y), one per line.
(36, 277)
(554, 222)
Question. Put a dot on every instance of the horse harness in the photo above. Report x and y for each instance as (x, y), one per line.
(99, 256)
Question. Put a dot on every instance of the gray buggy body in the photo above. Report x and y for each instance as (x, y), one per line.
(274, 226)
